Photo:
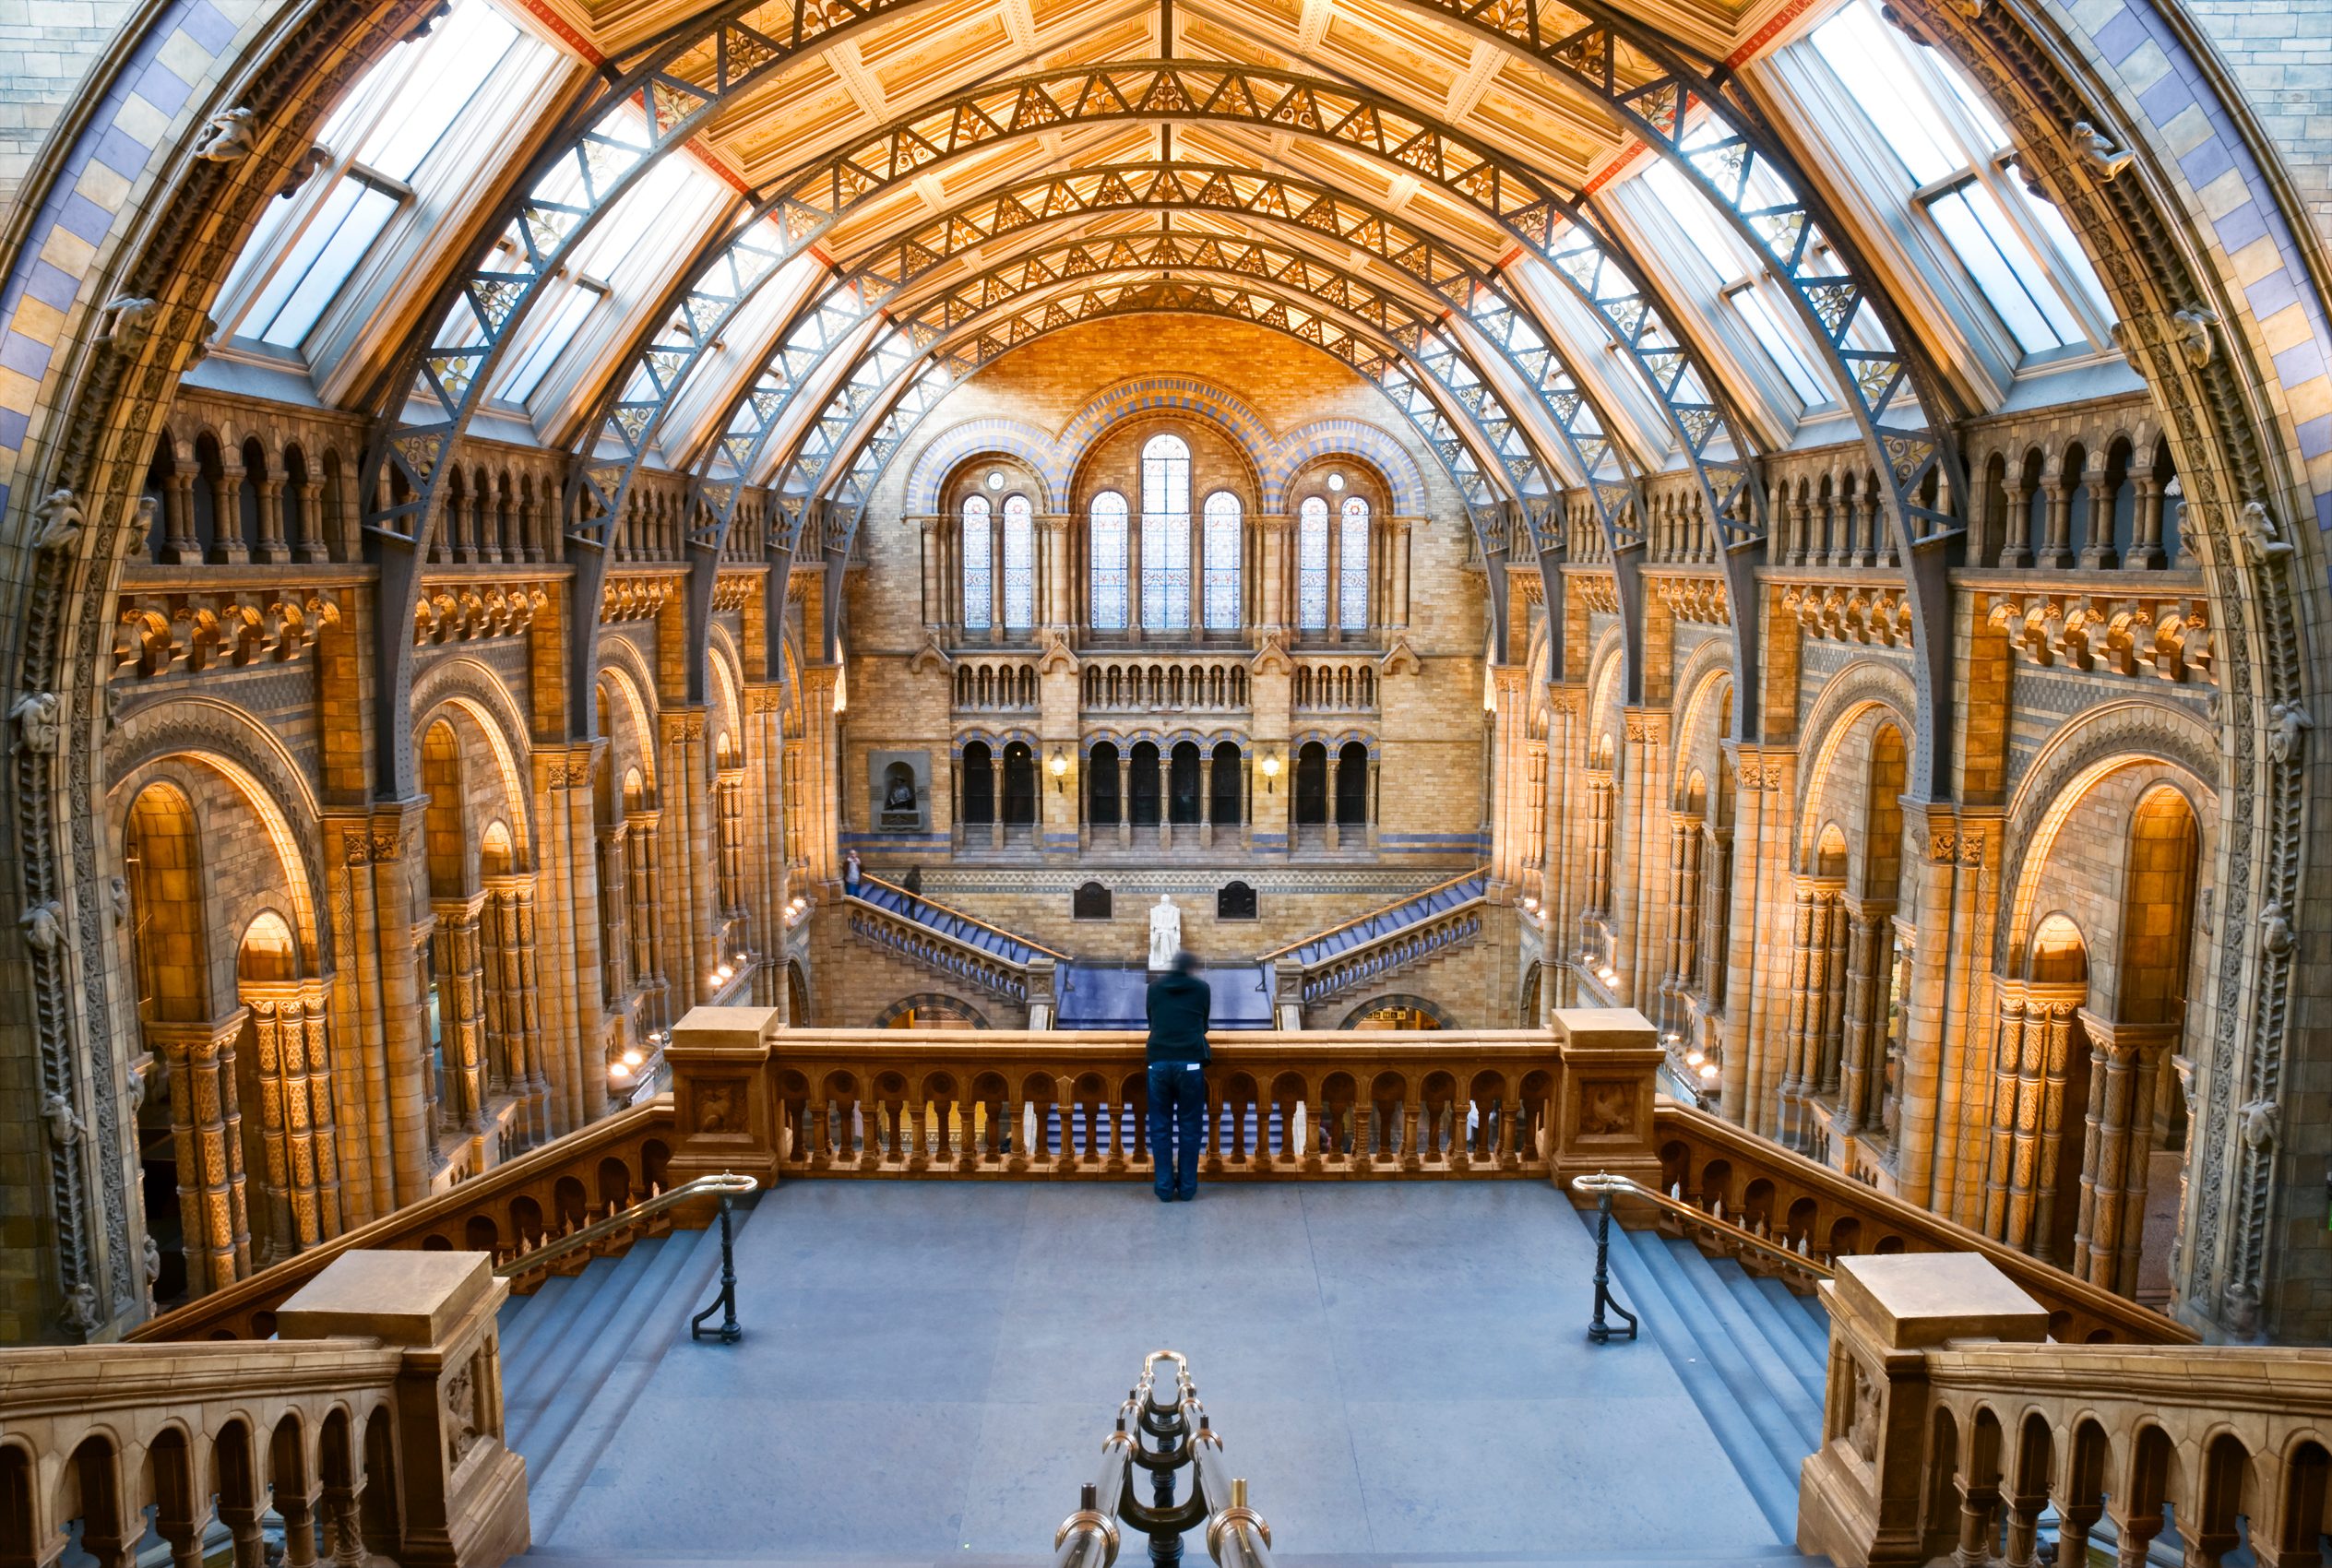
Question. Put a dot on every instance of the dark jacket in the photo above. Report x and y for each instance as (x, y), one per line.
(1178, 1006)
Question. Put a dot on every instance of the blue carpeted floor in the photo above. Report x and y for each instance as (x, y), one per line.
(1398, 1368)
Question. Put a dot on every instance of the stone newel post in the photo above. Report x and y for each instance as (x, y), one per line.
(464, 1495)
(724, 1103)
(1601, 1115)
(1858, 1494)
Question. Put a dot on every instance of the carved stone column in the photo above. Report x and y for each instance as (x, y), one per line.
(514, 1006)
(2125, 1064)
(298, 1181)
(206, 1125)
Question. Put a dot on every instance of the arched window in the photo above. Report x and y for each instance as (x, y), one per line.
(1222, 561)
(979, 562)
(1107, 544)
(1351, 575)
(1312, 564)
(1019, 565)
(1165, 534)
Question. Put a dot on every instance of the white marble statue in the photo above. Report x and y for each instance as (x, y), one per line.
(1165, 932)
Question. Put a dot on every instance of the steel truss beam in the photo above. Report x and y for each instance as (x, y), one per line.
(1543, 216)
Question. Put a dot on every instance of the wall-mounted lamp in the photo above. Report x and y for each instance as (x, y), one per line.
(1270, 772)
(1059, 764)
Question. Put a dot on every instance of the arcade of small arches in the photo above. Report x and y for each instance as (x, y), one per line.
(1819, 564)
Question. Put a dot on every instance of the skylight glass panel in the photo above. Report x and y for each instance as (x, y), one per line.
(1879, 79)
(308, 280)
(1993, 135)
(455, 61)
(1698, 220)
(1781, 344)
(674, 187)
(520, 381)
(2071, 258)
(1972, 220)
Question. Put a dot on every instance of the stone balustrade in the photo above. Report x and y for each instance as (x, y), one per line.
(1735, 1174)
(1165, 682)
(597, 1173)
(374, 1421)
(995, 682)
(1333, 683)
(1950, 1427)
(770, 1101)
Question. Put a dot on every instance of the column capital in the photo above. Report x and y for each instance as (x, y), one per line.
(2127, 1042)
(195, 1039)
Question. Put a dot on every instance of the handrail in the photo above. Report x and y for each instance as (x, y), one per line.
(1382, 908)
(864, 877)
(1603, 1182)
(400, 1227)
(1180, 1433)
(726, 1183)
(2056, 1288)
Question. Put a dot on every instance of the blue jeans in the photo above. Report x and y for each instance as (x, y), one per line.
(1177, 1117)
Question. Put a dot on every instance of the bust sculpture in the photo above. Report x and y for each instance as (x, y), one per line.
(1165, 932)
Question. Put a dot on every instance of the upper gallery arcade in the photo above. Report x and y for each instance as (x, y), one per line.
(527, 517)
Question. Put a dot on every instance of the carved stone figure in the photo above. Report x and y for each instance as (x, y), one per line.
(1861, 1431)
(64, 1127)
(2260, 1124)
(36, 717)
(43, 926)
(307, 163)
(153, 1261)
(2261, 539)
(80, 1308)
(2288, 740)
(1165, 932)
(133, 322)
(117, 898)
(2272, 921)
(226, 137)
(59, 519)
(2098, 150)
(2193, 335)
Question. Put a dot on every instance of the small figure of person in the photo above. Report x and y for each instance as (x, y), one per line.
(1178, 1006)
(850, 871)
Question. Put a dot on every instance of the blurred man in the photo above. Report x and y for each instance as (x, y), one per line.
(1178, 1007)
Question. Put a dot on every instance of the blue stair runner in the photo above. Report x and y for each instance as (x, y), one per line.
(1386, 922)
(947, 921)
(1750, 1352)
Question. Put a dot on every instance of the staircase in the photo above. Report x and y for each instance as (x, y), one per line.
(576, 1353)
(1750, 1351)
(580, 1354)
(1376, 945)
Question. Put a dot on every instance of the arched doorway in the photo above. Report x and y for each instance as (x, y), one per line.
(1311, 785)
(1398, 1011)
(1020, 785)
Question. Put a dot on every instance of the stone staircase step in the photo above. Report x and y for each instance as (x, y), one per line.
(681, 1289)
(574, 1368)
(1761, 1382)
(1779, 1324)
(1804, 1315)
(1653, 1285)
(520, 1366)
(522, 1317)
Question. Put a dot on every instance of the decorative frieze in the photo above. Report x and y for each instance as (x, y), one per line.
(473, 612)
(1852, 612)
(159, 633)
(2168, 636)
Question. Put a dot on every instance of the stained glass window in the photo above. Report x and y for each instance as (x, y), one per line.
(1312, 564)
(1351, 575)
(1019, 565)
(1107, 529)
(1222, 561)
(979, 561)
(1165, 534)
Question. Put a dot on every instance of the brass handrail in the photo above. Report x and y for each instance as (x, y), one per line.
(725, 1184)
(1604, 1181)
